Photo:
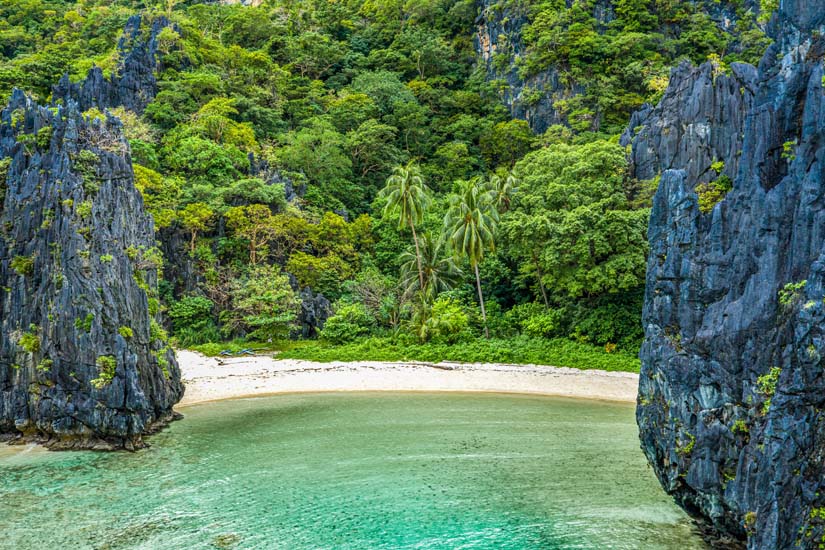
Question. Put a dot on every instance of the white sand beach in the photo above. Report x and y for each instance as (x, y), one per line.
(210, 378)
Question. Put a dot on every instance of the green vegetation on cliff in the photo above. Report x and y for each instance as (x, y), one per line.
(619, 53)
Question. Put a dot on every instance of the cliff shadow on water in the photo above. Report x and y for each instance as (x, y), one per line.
(83, 359)
(732, 387)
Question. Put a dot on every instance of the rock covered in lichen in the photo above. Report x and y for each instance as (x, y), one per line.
(732, 389)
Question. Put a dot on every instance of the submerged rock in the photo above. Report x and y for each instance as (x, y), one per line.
(83, 359)
(731, 405)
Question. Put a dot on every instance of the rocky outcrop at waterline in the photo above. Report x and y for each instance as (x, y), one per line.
(83, 358)
(731, 404)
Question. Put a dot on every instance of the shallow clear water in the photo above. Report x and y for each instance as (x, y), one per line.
(354, 471)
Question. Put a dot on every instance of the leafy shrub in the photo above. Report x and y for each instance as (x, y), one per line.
(560, 352)
(255, 191)
(4, 172)
(264, 305)
(48, 218)
(321, 273)
(84, 209)
(163, 362)
(23, 265)
(791, 293)
(85, 164)
(84, 324)
(157, 332)
(547, 324)
(190, 311)
(192, 321)
(766, 385)
(144, 154)
(446, 321)
(740, 427)
(188, 337)
(44, 137)
(126, 332)
(711, 194)
(29, 142)
(45, 365)
(152, 258)
(107, 365)
(350, 322)
(611, 322)
(685, 447)
(766, 9)
(788, 150)
(30, 341)
(496, 322)
(518, 314)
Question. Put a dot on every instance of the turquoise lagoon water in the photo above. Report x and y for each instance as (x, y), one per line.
(354, 471)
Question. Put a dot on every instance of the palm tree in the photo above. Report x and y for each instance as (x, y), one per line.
(501, 190)
(470, 226)
(408, 197)
(439, 268)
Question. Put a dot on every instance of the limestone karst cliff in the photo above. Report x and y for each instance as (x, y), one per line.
(732, 387)
(134, 85)
(83, 360)
(543, 95)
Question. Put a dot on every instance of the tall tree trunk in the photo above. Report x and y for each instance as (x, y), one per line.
(540, 276)
(481, 300)
(417, 257)
(192, 243)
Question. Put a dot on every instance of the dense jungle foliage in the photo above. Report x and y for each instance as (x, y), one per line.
(618, 62)
(358, 148)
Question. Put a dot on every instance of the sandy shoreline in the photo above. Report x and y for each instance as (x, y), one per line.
(211, 379)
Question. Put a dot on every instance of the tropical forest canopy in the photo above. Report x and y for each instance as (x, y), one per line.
(359, 148)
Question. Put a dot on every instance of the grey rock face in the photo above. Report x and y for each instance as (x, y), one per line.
(700, 120)
(83, 363)
(732, 388)
(315, 310)
(499, 29)
(77, 275)
(260, 168)
(498, 32)
(134, 84)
